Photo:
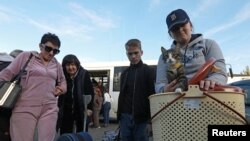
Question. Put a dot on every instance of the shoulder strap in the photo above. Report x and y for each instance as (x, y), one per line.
(16, 79)
(58, 73)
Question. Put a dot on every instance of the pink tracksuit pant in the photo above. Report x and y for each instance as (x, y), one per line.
(24, 121)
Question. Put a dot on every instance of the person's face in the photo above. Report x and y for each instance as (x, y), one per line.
(71, 69)
(182, 33)
(134, 54)
(48, 51)
(97, 91)
(99, 83)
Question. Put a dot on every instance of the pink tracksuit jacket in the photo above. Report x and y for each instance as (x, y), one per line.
(37, 105)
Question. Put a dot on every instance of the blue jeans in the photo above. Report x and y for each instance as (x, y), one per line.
(131, 131)
(106, 109)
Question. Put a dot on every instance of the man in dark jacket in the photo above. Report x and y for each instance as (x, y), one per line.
(137, 84)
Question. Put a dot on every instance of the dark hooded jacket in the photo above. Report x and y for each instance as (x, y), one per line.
(72, 100)
(143, 87)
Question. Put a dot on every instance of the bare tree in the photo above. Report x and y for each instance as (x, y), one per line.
(246, 71)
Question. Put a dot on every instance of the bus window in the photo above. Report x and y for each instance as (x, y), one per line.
(117, 74)
(101, 75)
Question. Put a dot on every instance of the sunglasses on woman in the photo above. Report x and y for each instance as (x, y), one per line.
(49, 49)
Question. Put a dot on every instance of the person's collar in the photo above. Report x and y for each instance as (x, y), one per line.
(73, 77)
(136, 65)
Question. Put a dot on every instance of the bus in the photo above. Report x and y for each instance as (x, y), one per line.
(108, 73)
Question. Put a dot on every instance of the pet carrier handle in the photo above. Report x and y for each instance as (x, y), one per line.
(202, 72)
(194, 91)
(170, 103)
(217, 100)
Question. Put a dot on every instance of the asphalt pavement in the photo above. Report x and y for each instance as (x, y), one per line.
(98, 133)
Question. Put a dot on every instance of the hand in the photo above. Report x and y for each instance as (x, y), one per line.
(89, 112)
(58, 91)
(170, 87)
(207, 84)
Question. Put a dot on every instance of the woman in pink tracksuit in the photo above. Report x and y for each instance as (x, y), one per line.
(41, 83)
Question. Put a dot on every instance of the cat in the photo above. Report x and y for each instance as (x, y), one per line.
(175, 69)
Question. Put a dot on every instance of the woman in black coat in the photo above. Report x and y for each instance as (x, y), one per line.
(71, 104)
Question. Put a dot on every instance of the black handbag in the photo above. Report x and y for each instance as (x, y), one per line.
(10, 90)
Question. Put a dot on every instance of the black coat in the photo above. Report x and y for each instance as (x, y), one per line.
(82, 86)
(144, 87)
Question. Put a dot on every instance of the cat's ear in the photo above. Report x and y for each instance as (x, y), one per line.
(163, 49)
(164, 53)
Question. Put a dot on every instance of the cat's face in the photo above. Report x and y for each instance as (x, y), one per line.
(175, 70)
(171, 56)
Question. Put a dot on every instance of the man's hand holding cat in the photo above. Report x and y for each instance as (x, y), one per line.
(170, 87)
(207, 84)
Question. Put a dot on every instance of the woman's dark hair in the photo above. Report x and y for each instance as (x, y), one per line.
(53, 38)
(68, 59)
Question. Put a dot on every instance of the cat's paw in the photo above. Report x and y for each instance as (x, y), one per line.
(178, 90)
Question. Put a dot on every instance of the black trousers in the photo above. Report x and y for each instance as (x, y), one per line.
(68, 120)
(4, 124)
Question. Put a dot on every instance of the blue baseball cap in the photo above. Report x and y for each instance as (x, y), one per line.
(177, 17)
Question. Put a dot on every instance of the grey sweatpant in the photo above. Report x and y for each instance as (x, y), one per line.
(24, 121)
